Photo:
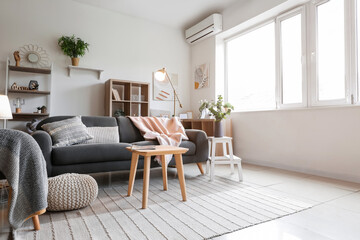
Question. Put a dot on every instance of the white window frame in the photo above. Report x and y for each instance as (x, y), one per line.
(309, 27)
(313, 29)
(354, 48)
(279, 62)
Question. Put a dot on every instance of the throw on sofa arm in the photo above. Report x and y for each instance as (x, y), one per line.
(199, 137)
(45, 143)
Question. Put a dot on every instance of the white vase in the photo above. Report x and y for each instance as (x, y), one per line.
(205, 114)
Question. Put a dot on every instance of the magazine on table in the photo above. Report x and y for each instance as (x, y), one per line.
(139, 147)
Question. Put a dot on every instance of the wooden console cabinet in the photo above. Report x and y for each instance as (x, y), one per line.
(207, 125)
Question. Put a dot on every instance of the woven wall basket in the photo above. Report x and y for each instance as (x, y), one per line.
(71, 191)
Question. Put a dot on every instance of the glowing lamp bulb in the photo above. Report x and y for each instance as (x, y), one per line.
(160, 76)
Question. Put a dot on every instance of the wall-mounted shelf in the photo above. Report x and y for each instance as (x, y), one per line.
(30, 70)
(99, 71)
(28, 116)
(37, 97)
(29, 92)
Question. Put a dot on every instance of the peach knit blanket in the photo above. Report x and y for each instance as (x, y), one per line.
(166, 131)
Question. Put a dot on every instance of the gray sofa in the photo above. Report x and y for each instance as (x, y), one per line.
(93, 158)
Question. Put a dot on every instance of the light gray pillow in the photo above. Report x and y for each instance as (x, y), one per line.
(67, 132)
(104, 134)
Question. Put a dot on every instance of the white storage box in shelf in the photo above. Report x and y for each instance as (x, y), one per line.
(99, 71)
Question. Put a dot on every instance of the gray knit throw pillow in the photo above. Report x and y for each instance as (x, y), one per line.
(67, 132)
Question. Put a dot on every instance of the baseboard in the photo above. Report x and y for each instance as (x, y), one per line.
(342, 177)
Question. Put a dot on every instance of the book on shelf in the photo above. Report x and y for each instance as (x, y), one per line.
(138, 147)
(115, 95)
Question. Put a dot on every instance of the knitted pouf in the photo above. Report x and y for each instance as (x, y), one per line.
(71, 191)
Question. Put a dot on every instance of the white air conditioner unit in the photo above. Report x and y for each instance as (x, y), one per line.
(204, 29)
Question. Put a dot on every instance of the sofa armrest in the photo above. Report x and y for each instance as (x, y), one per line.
(45, 142)
(200, 139)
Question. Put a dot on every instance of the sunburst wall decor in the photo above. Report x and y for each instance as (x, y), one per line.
(34, 56)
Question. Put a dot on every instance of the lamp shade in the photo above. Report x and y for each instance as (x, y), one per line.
(5, 110)
(160, 74)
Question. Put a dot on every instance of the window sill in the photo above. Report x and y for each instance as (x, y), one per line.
(300, 108)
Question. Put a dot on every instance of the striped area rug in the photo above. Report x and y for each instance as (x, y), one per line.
(212, 209)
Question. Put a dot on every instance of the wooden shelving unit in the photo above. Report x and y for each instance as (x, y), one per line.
(29, 92)
(28, 116)
(207, 125)
(134, 98)
(13, 93)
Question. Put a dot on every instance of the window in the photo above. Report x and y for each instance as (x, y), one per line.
(305, 57)
(330, 51)
(291, 59)
(358, 44)
(250, 88)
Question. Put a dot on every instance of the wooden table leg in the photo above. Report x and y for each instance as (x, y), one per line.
(180, 170)
(146, 181)
(35, 218)
(164, 171)
(199, 164)
(134, 163)
(36, 222)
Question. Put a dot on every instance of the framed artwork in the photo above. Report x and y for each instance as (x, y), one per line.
(189, 115)
(162, 90)
(201, 76)
(183, 116)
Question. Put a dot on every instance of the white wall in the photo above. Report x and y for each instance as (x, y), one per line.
(200, 54)
(125, 47)
(318, 141)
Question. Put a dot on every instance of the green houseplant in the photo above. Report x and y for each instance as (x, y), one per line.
(73, 47)
(220, 110)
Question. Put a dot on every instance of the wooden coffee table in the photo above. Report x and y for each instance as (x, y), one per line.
(161, 150)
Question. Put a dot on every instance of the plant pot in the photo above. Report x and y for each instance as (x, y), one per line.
(219, 129)
(75, 61)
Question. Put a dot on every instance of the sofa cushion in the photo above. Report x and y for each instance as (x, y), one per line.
(90, 153)
(127, 130)
(103, 134)
(99, 121)
(185, 144)
(67, 132)
(89, 121)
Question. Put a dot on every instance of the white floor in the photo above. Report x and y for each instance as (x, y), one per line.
(336, 214)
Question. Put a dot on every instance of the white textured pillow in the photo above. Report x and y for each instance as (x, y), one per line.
(103, 134)
(67, 132)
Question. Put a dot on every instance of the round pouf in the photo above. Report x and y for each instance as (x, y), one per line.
(71, 191)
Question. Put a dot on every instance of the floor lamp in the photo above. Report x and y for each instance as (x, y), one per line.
(161, 75)
(5, 110)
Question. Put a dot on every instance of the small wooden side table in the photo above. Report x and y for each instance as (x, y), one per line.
(161, 150)
(225, 159)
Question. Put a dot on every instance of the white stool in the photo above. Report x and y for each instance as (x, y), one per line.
(229, 158)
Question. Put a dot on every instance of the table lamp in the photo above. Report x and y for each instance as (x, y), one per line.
(5, 110)
(161, 75)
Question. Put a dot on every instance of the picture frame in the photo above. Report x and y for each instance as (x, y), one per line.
(165, 115)
(189, 115)
(183, 116)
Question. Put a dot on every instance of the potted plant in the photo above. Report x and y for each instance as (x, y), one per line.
(38, 109)
(73, 47)
(220, 110)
